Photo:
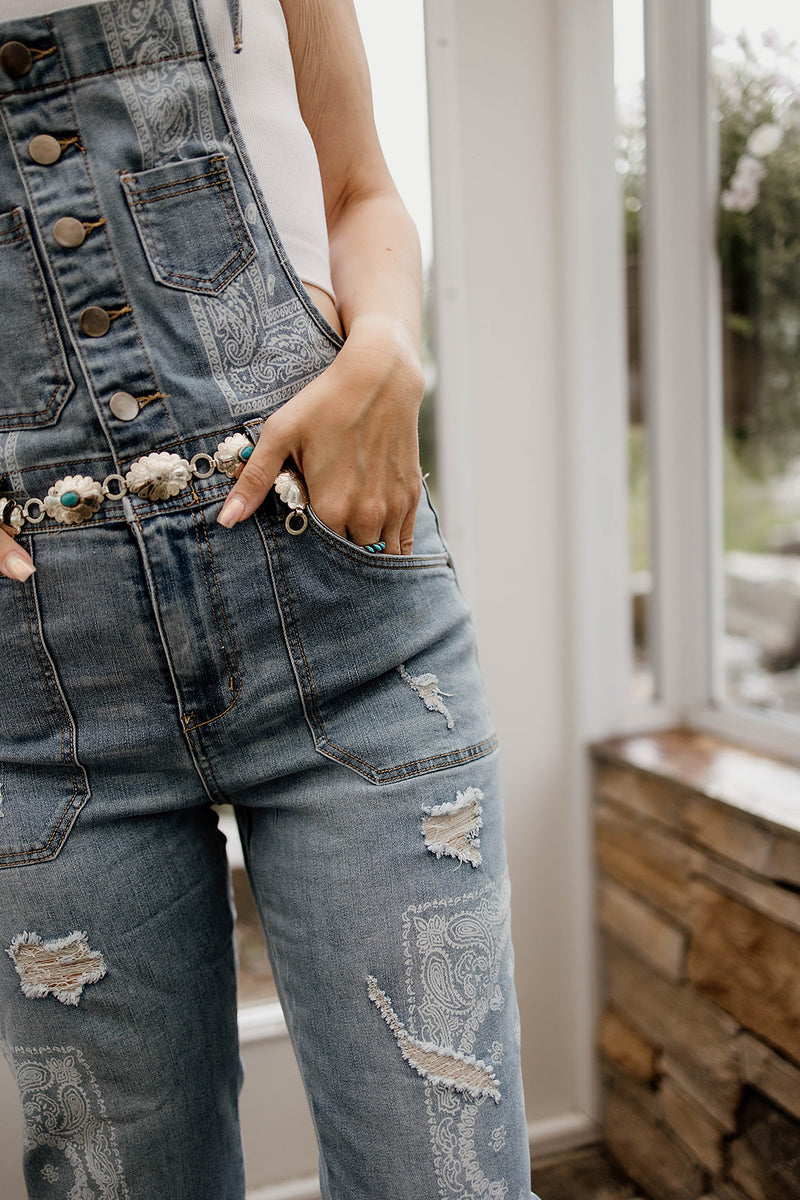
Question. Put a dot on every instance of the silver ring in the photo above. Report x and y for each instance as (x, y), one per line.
(212, 466)
(27, 513)
(114, 495)
(296, 512)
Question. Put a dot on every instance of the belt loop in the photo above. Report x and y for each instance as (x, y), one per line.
(235, 12)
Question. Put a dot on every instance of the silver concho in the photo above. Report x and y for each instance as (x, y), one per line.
(292, 490)
(227, 454)
(11, 515)
(84, 496)
(159, 475)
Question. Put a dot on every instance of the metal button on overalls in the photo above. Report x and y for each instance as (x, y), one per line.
(69, 232)
(124, 406)
(15, 59)
(44, 149)
(94, 321)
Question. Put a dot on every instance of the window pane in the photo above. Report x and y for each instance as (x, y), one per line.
(630, 161)
(756, 82)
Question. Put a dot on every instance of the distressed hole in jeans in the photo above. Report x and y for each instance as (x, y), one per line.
(427, 688)
(61, 967)
(461, 1072)
(453, 829)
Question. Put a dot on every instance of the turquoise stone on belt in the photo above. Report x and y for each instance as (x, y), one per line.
(245, 452)
(70, 499)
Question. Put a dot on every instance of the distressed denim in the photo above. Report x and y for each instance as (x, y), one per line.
(157, 664)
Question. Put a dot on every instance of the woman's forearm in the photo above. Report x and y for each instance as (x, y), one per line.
(376, 268)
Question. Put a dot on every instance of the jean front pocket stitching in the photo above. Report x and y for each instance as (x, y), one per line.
(393, 562)
(372, 773)
(70, 763)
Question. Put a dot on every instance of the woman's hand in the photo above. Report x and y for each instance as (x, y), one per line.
(352, 433)
(15, 563)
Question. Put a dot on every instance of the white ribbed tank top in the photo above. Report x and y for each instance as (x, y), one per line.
(262, 90)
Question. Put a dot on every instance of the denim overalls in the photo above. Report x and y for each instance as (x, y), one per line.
(157, 662)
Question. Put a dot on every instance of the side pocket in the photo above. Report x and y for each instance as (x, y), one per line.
(190, 223)
(35, 382)
(43, 786)
(383, 651)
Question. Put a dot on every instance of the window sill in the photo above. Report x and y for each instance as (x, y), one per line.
(692, 778)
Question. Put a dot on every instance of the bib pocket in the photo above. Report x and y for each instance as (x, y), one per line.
(43, 787)
(35, 382)
(190, 223)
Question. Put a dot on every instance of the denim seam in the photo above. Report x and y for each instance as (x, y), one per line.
(156, 602)
(37, 852)
(130, 184)
(120, 70)
(232, 673)
(112, 255)
(376, 774)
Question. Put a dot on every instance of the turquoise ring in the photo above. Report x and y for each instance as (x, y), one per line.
(375, 547)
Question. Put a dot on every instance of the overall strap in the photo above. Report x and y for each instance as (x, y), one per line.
(235, 12)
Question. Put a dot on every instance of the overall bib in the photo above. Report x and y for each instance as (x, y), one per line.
(157, 664)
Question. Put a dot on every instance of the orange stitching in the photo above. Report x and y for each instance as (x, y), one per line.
(36, 55)
(130, 184)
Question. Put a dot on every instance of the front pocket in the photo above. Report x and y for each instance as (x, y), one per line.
(35, 382)
(43, 787)
(383, 650)
(190, 223)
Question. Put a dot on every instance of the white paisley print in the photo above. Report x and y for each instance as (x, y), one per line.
(66, 1126)
(166, 100)
(455, 951)
(260, 350)
(259, 355)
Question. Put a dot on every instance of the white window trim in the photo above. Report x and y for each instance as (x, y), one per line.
(681, 321)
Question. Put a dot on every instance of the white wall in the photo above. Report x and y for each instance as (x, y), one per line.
(527, 231)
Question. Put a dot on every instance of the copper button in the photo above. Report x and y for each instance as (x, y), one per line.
(124, 406)
(15, 59)
(44, 149)
(94, 321)
(69, 232)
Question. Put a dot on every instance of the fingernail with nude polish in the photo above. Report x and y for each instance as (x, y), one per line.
(232, 511)
(19, 567)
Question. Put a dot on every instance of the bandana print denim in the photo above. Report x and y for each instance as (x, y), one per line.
(156, 663)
